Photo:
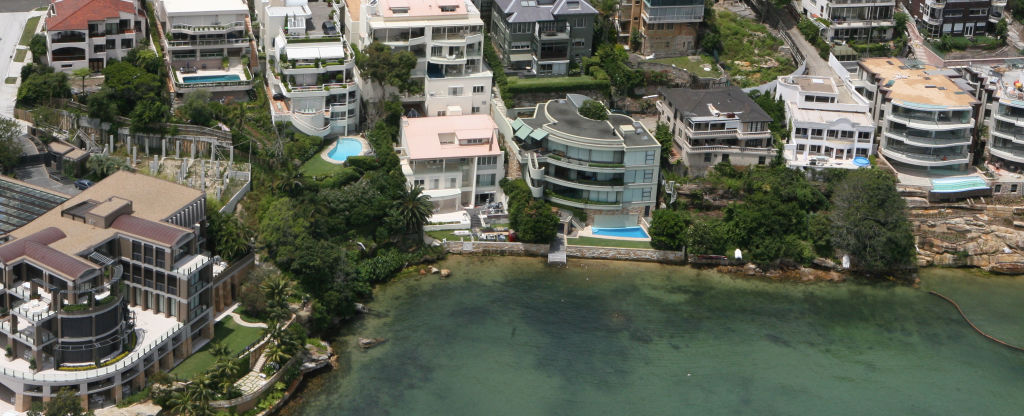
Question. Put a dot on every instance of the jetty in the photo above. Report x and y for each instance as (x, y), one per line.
(556, 251)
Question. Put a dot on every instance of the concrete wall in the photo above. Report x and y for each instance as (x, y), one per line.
(579, 252)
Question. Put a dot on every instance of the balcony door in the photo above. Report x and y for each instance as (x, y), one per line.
(969, 30)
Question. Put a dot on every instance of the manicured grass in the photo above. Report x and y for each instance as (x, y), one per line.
(19, 55)
(449, 234)
(11, 80)
(555, 84)
(42, 9)
(30, 29)
(225, 332)
(317, 166)
(607, 242)
(693, 65)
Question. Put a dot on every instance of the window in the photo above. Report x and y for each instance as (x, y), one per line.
(645, 194)
(979, 12)
(127, 43)
(580, 22)
(436, 51)
(435, 183)
(522, 28)
(863, 135)
(760, 160)
(399, 10)
(707, 157)
(478, 89)
(725, 157)
(417, 182)
(649, 157)
(1013, 188)
(579, 42)
(800, 131)
(999, 187)
(453, 182)
(440, 113)
(455, 91)
(487, 160)
(648, 176)
(449, 9)
(161, 258)
(816, 132)
(476, 110)
(136, 251)
(485, 180)
(519, 46)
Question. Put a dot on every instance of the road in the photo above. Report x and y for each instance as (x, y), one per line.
(815, 65)
(8, 6)
(11, 26)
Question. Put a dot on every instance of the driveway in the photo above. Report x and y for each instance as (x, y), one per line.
(37, 174)
(11, 26)
(815, 65)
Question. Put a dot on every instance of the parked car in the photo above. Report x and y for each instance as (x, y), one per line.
(278, 96)
(83, 184)
(329, 28)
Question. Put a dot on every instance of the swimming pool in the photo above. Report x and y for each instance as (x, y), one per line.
(631, 232)
(210, 78)
(958, 184)
(344, 148)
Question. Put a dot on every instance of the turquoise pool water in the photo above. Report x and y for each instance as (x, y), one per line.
(634, 232)
(958, 184)
(210, 78)
(344, 148)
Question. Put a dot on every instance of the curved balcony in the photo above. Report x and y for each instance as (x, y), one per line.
(935, 4)
(1009, 135)
(929, 125)
(1007, 154)
(919, 159)
(457, 58)
(565, 162)
(611, 185)
(928, 141)
(551, 196)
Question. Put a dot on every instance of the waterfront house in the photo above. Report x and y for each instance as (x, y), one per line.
(607, 168)
(714, 126)
(541, 37)
(666, 27)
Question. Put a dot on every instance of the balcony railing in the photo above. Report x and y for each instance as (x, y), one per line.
(209, 28)
(909, 153)
(69, 38)
(207, 42)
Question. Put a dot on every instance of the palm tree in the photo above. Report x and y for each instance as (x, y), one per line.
(224, 372)
(182, 403)
(277, 353)
(414, 208)
(82, 73)
(277, 289)
(219, 350)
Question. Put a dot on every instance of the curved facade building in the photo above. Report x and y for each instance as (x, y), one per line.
(103, 290)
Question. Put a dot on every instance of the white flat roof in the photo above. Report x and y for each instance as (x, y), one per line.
(205, 6)
(829, 117)
(314, 52)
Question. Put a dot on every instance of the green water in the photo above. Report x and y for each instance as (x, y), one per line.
(509, 336)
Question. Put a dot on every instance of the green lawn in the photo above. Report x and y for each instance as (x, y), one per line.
(225, 332)
(317, 166)
(607, 242)
(449, 234)
(11, 80)
(19, 55)
(42, 9)
(693, 65)
(30, 29)
(555, 84)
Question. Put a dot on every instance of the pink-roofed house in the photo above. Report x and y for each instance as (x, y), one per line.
(456, 159)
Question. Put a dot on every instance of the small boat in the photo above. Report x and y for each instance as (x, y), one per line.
(365, 343)
(1007, 268)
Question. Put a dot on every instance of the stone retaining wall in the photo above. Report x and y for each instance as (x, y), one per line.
(580, 252)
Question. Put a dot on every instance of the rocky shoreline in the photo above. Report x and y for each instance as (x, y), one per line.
(986, 237)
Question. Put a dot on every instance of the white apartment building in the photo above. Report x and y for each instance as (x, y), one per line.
(927, 116)
(208, 43)
(455, 159)
(310, 67)
(829, 126)
(714, 126)
(85, 34)
(447, 38)
(858, 20)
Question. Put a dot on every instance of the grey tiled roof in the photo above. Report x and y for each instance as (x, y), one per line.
(545, 10)
(694, 103)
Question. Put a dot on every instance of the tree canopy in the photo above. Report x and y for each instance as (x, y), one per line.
(869, 222)
(593, 110)
(40, 85)
(64, 403)
(10, 145)
(387, 66)
(532, 219)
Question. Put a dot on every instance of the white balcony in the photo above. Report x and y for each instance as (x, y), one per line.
(925, 141)
(1012, 155)
(919, 159)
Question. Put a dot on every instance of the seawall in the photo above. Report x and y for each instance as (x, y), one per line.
(578, 252)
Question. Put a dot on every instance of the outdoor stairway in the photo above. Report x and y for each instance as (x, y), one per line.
(474, 219)
(556, 251)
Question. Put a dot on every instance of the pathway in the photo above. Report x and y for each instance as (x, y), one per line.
(815, 64)
(238, 318)
(146, 408)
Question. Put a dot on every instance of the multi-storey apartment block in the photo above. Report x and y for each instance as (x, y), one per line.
(208, 43)
(447, 38)
(311, 67)
(609, 167)
(936, 18)
(542, 36)
(455, 159)
(86, 33)
(716, 125)
(859, 20)
(927, 116)
(829, 125)
(104, 290)
(666, 27)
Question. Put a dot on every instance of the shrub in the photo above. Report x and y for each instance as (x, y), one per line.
(593, 110)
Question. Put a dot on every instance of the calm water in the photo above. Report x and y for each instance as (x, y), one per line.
(508, 336)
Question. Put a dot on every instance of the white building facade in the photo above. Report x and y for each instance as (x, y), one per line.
(208, 43)
(79, 38)
(446, 36)
(829, 126)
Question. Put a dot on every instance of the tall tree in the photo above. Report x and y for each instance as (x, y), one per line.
(82, 73)
(869, 222)
(670, 229)
(10, 145)
(414, 208)
(65, 403)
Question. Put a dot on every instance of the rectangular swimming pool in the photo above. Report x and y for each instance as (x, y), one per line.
(210, 78)
(632, 232)
(958, 184)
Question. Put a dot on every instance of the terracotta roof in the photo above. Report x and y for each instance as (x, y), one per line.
(76, 14)
(36, 247)
(151, 230)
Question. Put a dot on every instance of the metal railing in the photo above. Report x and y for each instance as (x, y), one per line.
(202, 28)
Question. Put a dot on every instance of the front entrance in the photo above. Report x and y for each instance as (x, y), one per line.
(96, 64)
(969, 30)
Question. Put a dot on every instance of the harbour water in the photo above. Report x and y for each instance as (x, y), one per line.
(510, 336)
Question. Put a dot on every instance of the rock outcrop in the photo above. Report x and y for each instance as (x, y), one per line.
(967, 238)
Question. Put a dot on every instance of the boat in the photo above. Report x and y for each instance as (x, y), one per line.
(1007, 268)
(365, 343)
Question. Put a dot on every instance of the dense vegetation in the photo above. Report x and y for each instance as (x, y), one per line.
(869, 222)
(10, 145)
(594, 110)
(532, 219)
(134, 87)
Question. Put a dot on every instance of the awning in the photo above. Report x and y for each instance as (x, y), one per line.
(518, 57)
(516, 124)
(311, 53)
(302, 53)
(524, 132)
(442, 193)
(538, 134)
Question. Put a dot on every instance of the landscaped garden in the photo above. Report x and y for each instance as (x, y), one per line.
(228, 333)
(701, 66)
(749, 52)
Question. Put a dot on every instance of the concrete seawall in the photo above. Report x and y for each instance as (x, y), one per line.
(578, 252)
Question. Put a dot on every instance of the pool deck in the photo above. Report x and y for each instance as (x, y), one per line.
(325, 154)
(589, 232)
